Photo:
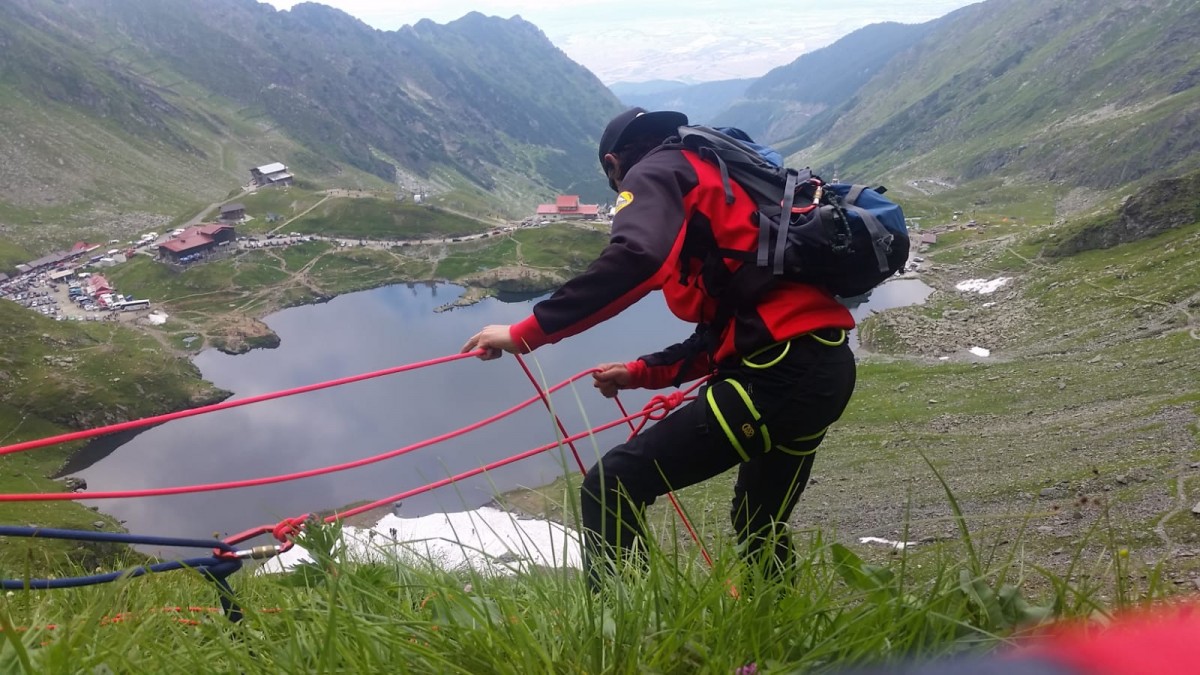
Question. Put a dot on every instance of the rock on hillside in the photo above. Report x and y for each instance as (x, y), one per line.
(1160, 207)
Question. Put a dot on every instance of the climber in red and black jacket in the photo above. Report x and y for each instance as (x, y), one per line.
(782, 370)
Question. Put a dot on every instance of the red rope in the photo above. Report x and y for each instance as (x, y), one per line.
(474, 472)
(293, 523)
(280, 478)
(549, 408)
(658, 408)
(159, 419)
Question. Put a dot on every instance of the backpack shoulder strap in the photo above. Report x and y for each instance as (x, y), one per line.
(746, 164)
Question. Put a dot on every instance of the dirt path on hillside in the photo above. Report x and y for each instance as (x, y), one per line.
(300, 215)
(199, 217)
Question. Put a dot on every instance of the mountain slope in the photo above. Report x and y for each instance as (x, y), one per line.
(118, 107)
(1093, 94)
(780, 103)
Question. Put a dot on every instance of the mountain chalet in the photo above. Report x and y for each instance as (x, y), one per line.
(270, 175)
(195, 240)
(567, 207)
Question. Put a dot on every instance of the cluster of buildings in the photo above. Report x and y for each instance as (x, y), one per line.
(56, 264)
(90, 292)
(33, 282)
(93, 291)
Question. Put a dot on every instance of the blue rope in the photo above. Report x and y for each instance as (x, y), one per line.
(83, 535)
(213, 568)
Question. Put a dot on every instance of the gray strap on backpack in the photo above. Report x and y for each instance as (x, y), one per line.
(785, 220)
(881, 239)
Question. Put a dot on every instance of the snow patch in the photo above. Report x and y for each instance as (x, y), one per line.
(901, 545)
(486, 540)
(156, 318)
(980, 351)
(983, 286)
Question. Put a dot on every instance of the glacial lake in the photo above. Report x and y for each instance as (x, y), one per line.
(363, 332)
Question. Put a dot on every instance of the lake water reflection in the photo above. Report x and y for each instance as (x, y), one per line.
(362, 332)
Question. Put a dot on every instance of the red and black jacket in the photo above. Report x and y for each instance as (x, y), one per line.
(672, 220)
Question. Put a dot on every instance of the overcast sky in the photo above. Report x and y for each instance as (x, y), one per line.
(638, 40)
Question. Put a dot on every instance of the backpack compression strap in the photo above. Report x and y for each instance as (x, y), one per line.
(785, 219)
(880, 237)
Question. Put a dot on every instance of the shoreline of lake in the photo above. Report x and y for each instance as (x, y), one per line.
(413, 316)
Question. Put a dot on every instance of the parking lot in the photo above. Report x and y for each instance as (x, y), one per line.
(55, 300)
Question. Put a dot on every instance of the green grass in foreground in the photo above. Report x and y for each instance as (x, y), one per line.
(676, 615)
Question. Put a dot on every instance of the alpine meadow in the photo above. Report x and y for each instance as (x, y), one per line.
(1021, 453)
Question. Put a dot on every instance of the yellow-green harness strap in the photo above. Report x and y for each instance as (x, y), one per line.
(787, 346)
(810, 437)
(747, 430)
(830, 343)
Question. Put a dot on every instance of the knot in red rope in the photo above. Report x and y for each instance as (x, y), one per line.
(662, 404)
(286, 528)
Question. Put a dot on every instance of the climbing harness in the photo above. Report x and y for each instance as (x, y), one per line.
(737, 415)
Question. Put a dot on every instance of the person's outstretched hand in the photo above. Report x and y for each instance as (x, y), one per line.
(493, 340)
(610, 378)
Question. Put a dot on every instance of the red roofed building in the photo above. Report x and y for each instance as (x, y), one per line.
(196, 239)
(567, 207)
(567, 204)
(96, 285)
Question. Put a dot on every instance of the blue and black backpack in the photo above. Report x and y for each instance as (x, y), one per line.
(845, 238)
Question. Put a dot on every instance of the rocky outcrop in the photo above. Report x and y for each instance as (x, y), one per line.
(1164, 205)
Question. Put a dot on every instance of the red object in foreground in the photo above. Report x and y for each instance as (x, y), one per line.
(1159, 641)
(1162, 640)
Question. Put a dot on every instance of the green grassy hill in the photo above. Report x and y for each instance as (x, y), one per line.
(57, 377)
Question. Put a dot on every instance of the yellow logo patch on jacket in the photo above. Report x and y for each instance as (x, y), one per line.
(624, 199)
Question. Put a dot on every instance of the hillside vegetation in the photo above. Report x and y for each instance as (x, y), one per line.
(57, 377)
(127, 114)
(989, 101)
(777, 105)
(1088, 96)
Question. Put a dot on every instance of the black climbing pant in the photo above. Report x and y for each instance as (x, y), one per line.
(766, 415)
